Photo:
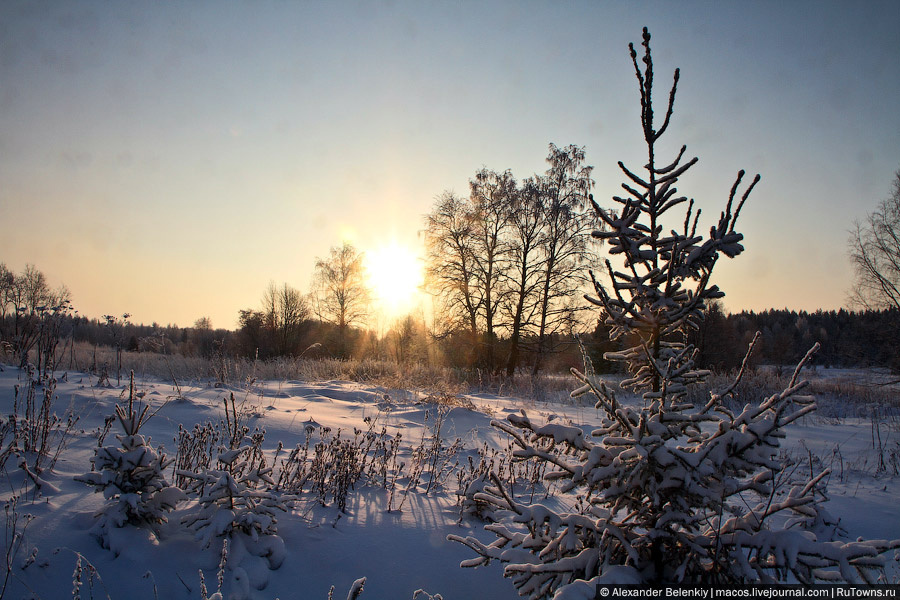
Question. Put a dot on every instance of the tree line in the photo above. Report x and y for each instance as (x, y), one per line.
(39, 325)
(864, 338)
(34, 317)
(848, 338)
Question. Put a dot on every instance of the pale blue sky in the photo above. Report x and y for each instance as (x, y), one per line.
(168, 159)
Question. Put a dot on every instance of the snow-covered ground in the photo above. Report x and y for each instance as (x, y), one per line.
(399, 551)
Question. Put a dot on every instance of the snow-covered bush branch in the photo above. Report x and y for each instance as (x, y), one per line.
(235, 503)
(234, 500)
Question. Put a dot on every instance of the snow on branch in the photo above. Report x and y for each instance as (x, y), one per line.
(667, 490)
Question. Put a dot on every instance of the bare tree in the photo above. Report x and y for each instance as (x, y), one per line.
(406, 339)
(252, 333)
(34, 290)
(522, 278)
(563, 192)
(451, 271)
(510, 258)
(875, 254)
(203, 324)
(294, 312)
(202, 338)
(277, 329)
(28, 302)
(339, 290)
(492, 194)
(52, 319)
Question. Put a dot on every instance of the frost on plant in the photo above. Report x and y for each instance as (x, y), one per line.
(131, 477)
(666, 491)
(235, 501)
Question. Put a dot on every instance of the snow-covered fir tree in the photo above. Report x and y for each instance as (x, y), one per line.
(131, 477)
(668, 491)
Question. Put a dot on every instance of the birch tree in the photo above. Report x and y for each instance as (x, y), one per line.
(491, 196)
(522, 279)
(451, 265)
(564, 191)
(340, 292)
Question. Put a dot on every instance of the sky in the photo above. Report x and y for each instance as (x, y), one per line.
(170, 159)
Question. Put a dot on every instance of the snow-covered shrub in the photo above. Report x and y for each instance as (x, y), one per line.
(8, 441)
(83, 576)
(524, 476)
(471, 479)
(197, 448)
(235, 501)
(435, 457)
(336, 463)
(294, 468)
(431, 462)
(131, 477)
(669, 491)
(335, 469)
(332, 467)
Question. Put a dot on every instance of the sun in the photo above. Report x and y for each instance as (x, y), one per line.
(395, 275)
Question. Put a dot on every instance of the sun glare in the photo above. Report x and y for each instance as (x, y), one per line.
(395, 275)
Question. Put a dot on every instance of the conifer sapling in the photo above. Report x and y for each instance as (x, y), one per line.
(131, 476)
(666, 492)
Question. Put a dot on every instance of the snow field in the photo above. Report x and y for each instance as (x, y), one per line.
(398, 551)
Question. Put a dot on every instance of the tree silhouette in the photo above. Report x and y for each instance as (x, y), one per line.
(563, 193)
(451, 265)
(875, 254)
(341, 296)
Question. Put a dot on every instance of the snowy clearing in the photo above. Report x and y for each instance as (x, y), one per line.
(399, 551)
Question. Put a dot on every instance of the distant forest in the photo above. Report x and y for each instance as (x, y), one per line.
(847, 338)
(37, 324)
